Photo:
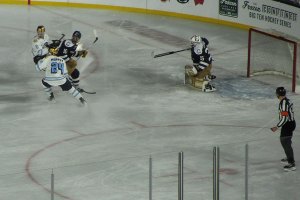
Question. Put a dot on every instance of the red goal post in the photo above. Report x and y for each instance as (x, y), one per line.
(271, 52)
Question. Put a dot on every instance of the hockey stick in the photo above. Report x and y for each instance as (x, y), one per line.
(82, 90)
(62, 36)
(170, 52)
(96, 39)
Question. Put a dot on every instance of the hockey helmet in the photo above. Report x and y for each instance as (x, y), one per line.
(196, 39)
(40, 28)
(40, 31)
(77, 34)
(53, 51)
(280, 91)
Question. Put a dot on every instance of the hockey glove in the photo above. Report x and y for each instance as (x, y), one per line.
(84, 53)
(55, 43)
(36, 59)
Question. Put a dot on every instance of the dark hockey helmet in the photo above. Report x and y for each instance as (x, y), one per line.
(280, 91)
(77, 34)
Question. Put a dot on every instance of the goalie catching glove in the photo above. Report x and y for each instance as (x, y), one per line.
(82, 53)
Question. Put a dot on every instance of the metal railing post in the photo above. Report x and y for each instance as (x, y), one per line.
(52, 185)
(150, 178)
(180, 176)
(216, 169)
(246, 170)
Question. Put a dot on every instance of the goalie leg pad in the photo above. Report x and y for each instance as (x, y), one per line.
(190, 70)
(193, 77)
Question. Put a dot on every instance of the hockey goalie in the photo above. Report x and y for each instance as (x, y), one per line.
(199, 74)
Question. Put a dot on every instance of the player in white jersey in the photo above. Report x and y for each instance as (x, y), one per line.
(40, 42)
(55, 74)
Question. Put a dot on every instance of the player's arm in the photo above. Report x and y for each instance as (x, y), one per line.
(39, 63)
(206, 42)
(283, 113)
(36, 48)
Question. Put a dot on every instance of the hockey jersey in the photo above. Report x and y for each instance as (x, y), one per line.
(200, 55)
(39, 45)
(55, 70)
(67, 49)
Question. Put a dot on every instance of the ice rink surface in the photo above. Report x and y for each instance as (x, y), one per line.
(141, 109)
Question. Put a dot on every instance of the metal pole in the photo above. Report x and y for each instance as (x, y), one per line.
(180, 176)
(214, 173)
(216, 169)
(246, 171)
(52, 185)
(150, 178)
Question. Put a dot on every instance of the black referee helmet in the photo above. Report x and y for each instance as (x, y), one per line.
(280, 91)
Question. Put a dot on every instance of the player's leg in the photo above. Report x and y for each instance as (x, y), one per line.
(67, 86)
(75, 78)
(74, 73)
(205, 77)
(48, 89)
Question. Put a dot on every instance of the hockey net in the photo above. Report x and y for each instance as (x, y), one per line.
(276, 54)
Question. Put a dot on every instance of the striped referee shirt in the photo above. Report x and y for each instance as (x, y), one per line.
(286, 112)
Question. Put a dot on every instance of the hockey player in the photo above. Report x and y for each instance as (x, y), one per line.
(68, 49)
(199, 75)
(40, 42)
(55, 74)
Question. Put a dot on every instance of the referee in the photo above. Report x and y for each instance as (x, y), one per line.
(287, 124)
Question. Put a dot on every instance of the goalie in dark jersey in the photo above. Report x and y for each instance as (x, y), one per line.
(67, 50)
(199, 74)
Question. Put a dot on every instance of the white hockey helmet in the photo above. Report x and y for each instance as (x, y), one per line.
(196, 39)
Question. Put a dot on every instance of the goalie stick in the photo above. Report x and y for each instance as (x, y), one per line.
(170, 52)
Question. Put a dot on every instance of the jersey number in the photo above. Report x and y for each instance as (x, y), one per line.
(55, 66)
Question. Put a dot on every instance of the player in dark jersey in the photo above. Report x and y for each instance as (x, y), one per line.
(287, 124)
(68, 49)
(200, 72)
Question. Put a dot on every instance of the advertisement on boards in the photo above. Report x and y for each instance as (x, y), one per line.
(271, 14)
(264, 14)
(229, 8)
(205, 8)
(186, 1)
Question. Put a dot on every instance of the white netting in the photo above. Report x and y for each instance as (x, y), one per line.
(273, 55)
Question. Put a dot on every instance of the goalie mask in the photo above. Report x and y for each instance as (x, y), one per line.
(41, 31)
(196, 39)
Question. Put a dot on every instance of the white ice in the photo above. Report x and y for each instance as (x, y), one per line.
(141, 109)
